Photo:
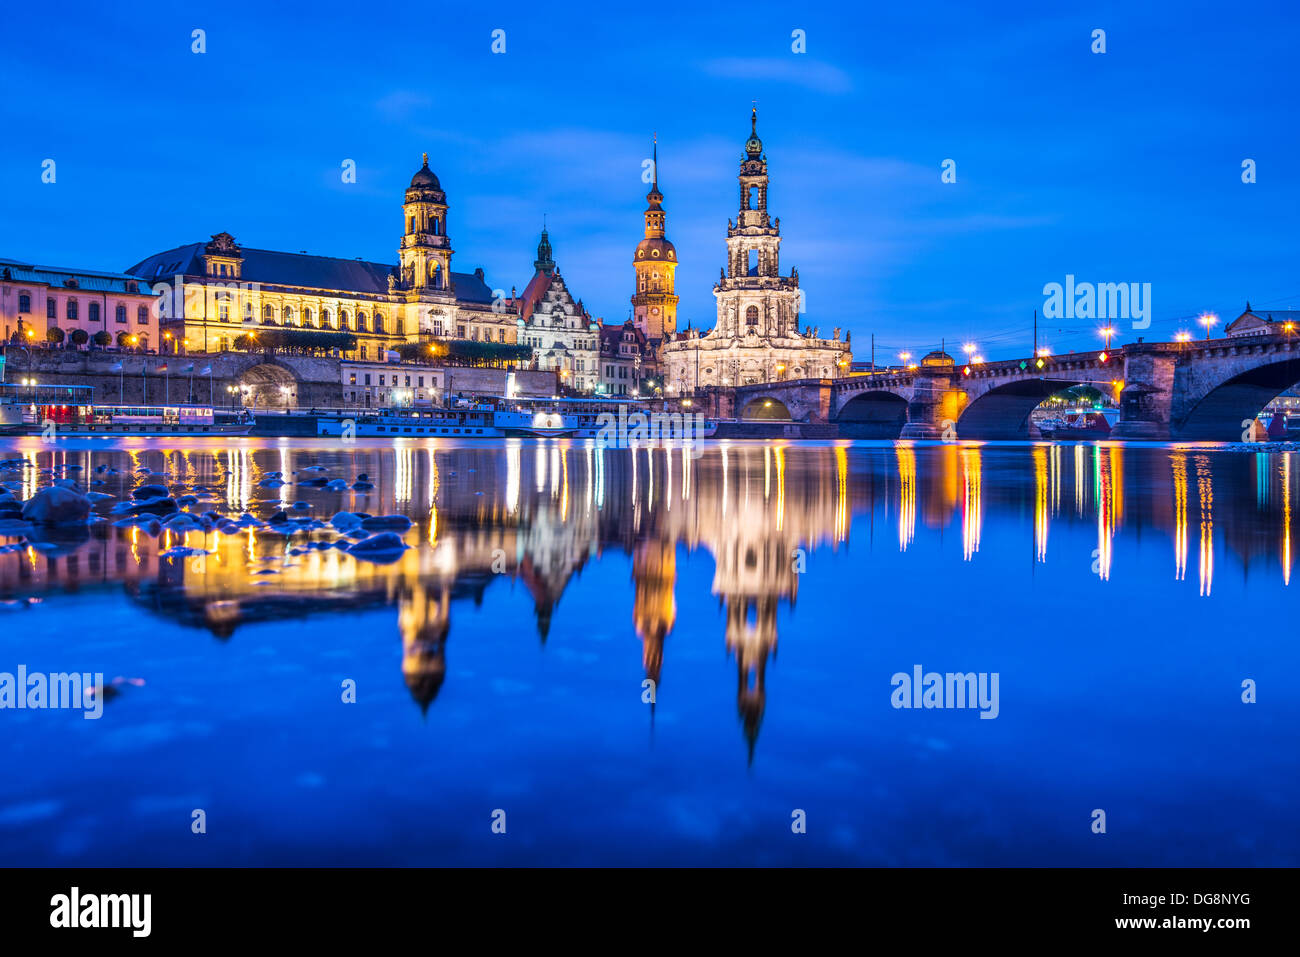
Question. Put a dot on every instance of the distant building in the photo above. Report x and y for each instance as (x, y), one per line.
(230, 290)
(1274, 322)
(757, 336)
(624, 358)
(76, 302)
(564, 338)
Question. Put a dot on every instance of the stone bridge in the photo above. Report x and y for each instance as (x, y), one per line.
(1202, 390)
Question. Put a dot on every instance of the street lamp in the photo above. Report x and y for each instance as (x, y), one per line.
(1208, 320)
(905, 356)
(1106, 334)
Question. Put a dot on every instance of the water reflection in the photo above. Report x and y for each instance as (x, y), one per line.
(535, 514)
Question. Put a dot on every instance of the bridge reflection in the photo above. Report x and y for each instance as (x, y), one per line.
(534, 515)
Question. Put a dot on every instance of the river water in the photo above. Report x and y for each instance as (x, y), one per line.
(485, 696)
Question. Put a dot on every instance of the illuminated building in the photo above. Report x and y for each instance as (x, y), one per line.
(213, 292)
(36, 299)
(757, 336)
(654, 304)
(564, 337)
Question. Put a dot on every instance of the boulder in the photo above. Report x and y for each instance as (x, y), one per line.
(57, 506)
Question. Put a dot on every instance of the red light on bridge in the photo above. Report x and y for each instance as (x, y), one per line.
(966, 371)
(1103, 357)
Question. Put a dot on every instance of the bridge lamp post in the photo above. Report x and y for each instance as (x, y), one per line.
(1208, 320)
(1107, 333)
(905, 356)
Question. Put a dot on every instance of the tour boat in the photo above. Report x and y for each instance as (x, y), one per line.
(500, 418)
(1078, 425)
(67, 411)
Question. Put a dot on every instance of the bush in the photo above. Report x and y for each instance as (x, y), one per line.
(297, 340)
(79, 337)
(123, 340)
(54, 334)
(244, 342)
(103, 338)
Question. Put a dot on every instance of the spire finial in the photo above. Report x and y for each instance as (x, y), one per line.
(753, 118)
(426, 160)
(655, 162)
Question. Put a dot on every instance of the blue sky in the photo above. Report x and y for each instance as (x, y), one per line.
(1115, 167)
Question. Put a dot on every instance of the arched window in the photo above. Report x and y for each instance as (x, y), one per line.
(248, 312)
(93, 313)
(288, 314)
(361, 322)
(399, 324)
(379, 322)
(325, 318)
(751, 316)
(119, 314)
(142, 315)
(24, 302)
(343, 319)
(268, 313)
(70, 311)
(51, 308)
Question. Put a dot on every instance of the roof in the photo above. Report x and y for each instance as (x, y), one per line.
(269, 267)
(533, 293)
(611, 336)
(88, 279)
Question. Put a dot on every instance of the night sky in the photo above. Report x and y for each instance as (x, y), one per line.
(1115, 167)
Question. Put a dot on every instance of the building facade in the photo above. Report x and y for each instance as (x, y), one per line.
(210, 294)
(757, 335)
(563, 336)
(654, 304)
(78, 303)
(625, 359)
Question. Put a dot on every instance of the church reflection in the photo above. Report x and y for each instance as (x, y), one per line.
(536, 515)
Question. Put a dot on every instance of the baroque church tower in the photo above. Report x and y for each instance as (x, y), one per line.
(753, 297)
(757, 335)
(425, 253)
(654, 305)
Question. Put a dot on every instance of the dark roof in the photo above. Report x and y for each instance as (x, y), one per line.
(87, 279)
(1273, 315)
(269, 267)
(611, 335)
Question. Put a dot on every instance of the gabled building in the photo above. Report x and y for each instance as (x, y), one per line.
(1265, 322)
(563, 336)
(625, 358)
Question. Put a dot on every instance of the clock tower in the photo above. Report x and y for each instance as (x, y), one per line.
(654, 304)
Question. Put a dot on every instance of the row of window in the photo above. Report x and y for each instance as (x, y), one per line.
(72, 310)
(419, 383)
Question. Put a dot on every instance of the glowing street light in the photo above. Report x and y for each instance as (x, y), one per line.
(1106, 334)
(1208, 320)
(1045, 352)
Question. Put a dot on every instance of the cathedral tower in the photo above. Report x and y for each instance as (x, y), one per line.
(654, 305)
(425, 253)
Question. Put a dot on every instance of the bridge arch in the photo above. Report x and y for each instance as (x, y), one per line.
(1217, 413)
(1002, 412)
(874, 414)
(766, 407)
(269, 385)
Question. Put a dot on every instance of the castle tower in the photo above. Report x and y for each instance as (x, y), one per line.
(425, 253)
(654, 304)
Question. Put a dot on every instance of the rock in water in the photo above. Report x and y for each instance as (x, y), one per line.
(150, 491)
(57, 506)
(382, 549)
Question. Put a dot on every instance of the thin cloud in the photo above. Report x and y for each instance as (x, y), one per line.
(798, 70)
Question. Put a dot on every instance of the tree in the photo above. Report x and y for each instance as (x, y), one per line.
(103, 338)
(54, 334)
(462, 352)
(79, 337)
(244, 342)
(123, 340)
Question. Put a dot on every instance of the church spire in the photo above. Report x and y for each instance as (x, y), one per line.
(544, 262)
